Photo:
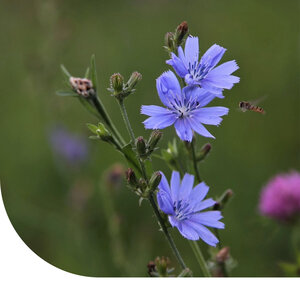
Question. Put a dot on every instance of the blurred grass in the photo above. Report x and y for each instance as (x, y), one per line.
(37, 36)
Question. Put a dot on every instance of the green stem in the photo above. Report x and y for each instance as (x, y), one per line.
(151, 198)
(195, 161)
(126, 120)
(199, 256)
(166, 232)
(103, 113)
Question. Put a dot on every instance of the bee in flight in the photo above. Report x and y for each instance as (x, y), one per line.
(245, 105)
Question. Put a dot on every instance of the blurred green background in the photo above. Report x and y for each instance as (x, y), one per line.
(60, 210)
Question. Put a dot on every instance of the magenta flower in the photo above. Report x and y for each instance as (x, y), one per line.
(280, 198)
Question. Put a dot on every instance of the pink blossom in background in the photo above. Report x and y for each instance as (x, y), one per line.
(280, 198)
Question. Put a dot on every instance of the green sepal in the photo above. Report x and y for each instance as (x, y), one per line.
(87, 73)
(65, 72)
(131, 158)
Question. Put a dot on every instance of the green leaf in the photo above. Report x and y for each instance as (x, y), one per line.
(65, 72)
(88, 106)
(93, 72)
(66, 94)
(148, 167)
(87, 73)
(93, 128)
(289, 269)
(131, 159)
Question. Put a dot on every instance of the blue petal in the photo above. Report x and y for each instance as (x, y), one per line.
(175, 185)
(183, 129)
(213, 55)
(201, 205)
(160, 122)
(165, 202)
(164, 185)
(210, 115)
(174, 222)
(221, 81)
(199, 128)
(209, 86)
(178, 65)
(194, 92)
(199, 192)
(203, 233)
(186, 186)
(188, 231)
(154, 110)
(168, 87)
(191, 50)
(209, 218)
(182, 57)
(225, 68)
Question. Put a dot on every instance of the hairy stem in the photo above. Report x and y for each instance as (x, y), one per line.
(195, 161)
(151, 198)
(126, 120)
(102, 112)
(199, 256)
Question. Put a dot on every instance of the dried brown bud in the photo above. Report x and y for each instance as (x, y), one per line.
(131, 178)
(82, 86)
(151, 268)
(222, 255)
(181, 32)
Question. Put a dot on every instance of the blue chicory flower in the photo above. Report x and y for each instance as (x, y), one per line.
(184, 108)
(204, 73)
(184, 205)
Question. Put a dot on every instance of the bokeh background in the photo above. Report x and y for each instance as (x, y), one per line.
(65, 209)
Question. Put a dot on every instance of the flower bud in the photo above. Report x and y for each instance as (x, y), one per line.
(223, 200)
(203, 152)
(162, 265)
(142, 184)
(181, 32)
(116, 83)
(154, 139)
(169, 41)
(222, 255)
(82, 86)
(141, 146)
(151, 269)
(133, 80)
(154, 181)
(131, 178)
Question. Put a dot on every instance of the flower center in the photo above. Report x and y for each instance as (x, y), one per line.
(198, 71)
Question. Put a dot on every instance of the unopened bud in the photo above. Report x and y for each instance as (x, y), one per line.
(142, 184)
(133, 80)
(181, 32)
(203, 152)
(162, 266)
(151, 268)
(116, 83)
(222, 255)
(82, 86)
(169, 41)
(131, 178)
(223, 200)
(154, 139)
(141, 146)
(154, 181)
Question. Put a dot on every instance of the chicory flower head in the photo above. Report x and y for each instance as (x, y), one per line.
(204, 73)
(184, 108)
(184, 205)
